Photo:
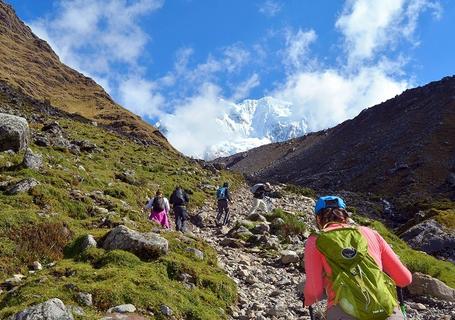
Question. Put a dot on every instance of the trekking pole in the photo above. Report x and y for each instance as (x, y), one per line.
(310, 308)
(401, 300)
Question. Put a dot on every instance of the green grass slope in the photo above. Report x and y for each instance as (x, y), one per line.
(43, 224)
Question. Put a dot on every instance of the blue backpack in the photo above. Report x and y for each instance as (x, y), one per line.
(221, 193)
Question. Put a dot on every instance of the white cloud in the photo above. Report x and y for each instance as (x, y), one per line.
(371, 26)
(327, 97)
(270, 8)
(297, 48)
(141, 97)
(192, 127)
(243, 89)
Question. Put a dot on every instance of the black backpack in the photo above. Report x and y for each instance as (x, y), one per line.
(179, 198)
(158, 204)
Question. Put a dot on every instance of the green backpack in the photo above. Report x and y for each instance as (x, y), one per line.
(361, 288)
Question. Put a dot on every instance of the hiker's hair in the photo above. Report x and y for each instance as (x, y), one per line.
(332, 215)
(158, 193)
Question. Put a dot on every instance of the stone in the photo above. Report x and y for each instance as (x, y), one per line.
(430, 237)
(22, 186)
(123, 308)
(261, 228)
(198, 254)
(241, 233)
(423, 284)
(88, 242)
(36, 265)
(165, 310)
(52, 309)
(84, 298)
(256, 217)
(289, 256)
(32, 160)
(144, 245)
(14, 133)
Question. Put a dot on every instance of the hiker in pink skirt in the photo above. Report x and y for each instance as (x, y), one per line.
(159, 206)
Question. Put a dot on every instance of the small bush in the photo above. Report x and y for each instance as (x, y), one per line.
(304, 191)
(43, 241)
(118, 258)
(293, 224)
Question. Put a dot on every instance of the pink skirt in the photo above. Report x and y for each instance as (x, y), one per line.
(161, 218)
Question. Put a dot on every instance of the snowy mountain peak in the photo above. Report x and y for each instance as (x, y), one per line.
(252, 123)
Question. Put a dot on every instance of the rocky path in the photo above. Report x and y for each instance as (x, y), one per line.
(270, 277)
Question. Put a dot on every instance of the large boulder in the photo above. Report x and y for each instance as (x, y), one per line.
(14, 132)
(145, 245)
(429, 236)
(52, 309)
(423, 284)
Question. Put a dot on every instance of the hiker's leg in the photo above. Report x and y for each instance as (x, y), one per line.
(184, 216)
(227, 216)
(178, 218)
(336, 313)
(255, 206)
(220, 213)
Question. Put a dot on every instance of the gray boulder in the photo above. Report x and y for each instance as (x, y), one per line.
(14, 132)
(430, 237)
(124, 308)
(53, 309)
(88, 242)
(32, 160)
(289, 256)
(144, 245)
(198, 254)
(22, 186)
(423, 284)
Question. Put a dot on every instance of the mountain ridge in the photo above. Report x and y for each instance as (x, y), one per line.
(28, 64)
(403, 145)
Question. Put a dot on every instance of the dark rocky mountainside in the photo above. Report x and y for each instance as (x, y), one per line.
(28, 63)
(405, 145)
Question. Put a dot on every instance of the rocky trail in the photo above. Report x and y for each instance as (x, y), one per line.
(269, 273)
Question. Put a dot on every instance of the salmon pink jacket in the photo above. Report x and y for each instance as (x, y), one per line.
(318, 270)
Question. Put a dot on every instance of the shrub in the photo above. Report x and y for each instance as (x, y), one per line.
(293, 224)
(118, 258)
(43, 241)
(304, 191)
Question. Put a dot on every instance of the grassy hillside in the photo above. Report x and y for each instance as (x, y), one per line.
(44, 223)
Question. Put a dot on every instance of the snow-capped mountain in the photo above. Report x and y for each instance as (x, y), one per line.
(253, 123)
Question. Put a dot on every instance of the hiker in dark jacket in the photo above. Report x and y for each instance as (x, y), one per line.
(179, 200)
(223, 197)
(260, 190)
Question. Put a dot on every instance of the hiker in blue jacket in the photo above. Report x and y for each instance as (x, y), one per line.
(223, 197)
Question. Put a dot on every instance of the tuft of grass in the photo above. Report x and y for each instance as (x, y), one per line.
(304, 191)
(293, 224)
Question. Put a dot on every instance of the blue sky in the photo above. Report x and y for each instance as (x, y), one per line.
(179, 61)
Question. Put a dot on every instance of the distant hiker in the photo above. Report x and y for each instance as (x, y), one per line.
(179, 200)
(259, 191)
(354, 264)
(160, 208)
(223, 198)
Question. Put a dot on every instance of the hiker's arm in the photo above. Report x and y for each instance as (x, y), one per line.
(149, 204)
(228, 195)
(314, 285)
(167, 208)
(393, 266)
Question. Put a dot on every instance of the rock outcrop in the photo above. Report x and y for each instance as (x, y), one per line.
(53, 309)
(14, 133)
(144, 245)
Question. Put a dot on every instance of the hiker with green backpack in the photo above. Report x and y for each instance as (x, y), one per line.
(354, 265)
